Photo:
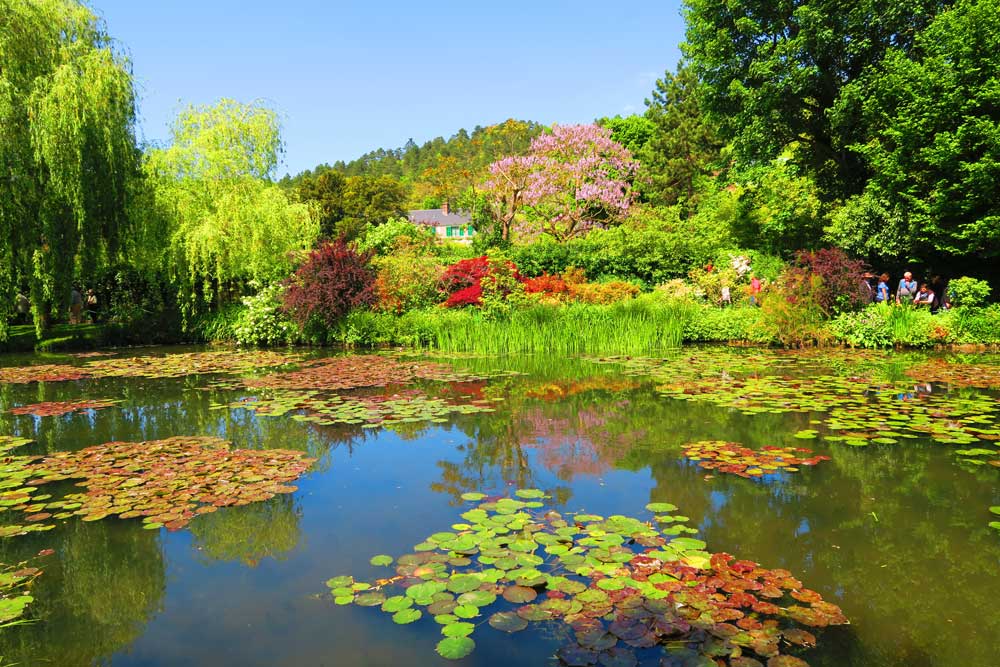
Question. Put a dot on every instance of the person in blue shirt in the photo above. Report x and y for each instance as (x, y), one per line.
(882, 291)
(907, 289)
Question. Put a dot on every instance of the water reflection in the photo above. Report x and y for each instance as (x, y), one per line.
(893, 534)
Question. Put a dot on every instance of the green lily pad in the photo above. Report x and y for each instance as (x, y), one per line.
(406, 616)
(455, 648)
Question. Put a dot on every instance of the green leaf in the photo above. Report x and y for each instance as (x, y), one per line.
(455, 648)
(381, 560)
(458, 629)
(405, 616)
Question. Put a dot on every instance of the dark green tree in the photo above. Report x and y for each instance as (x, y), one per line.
(934, 146)
(684, 146)
(773, 70)
(632, 132)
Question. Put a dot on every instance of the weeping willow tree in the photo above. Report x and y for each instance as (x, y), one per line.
(230, 224)
(67, 151)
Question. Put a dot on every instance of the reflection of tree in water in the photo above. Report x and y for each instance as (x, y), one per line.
(248, 533)
(105, 582)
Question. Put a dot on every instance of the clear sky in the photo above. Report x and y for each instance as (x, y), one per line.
(349, 77)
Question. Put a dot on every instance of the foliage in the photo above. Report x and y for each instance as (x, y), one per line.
(67, 151)
(407, 278)
(230, 225)
(792, 310)
(609, 292)
(438, 165)
(931, 138)
(501, 286)
(708, 324)
(884, 325)
(779, 209)
(632, 132)
(462, 281)
(652, 246)
(684, 147)
(969, 292)
(772, 73)
(141, 304)
(263, 321)
(383, 239)
(843, 278)
(732, 458)
(350, 202)
(334, 279)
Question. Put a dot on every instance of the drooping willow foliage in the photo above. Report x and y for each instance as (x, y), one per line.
(67, 150)
(229, 223)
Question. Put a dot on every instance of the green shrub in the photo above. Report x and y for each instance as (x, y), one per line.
(865, 328)
(969, 292)
(708, 324)
(262, 321)
(977, 326)
(406, 280)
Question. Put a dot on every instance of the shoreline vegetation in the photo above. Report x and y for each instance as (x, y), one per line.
(768, 218)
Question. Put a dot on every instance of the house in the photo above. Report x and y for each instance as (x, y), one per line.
(446, 224)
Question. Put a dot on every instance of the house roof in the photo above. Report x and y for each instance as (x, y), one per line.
(435, 217)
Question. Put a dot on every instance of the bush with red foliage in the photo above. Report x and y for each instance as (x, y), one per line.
(334, 279)
(843, 278)
(462, 281)
(546, 284)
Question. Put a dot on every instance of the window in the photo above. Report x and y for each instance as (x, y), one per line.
(450, 231)
(461, 231)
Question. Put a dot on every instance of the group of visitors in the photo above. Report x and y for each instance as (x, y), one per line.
(82, 307)
(909, 293)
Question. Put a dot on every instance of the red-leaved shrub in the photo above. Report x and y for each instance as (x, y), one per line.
(334, 279)
(843, 278)
(546, 284)
(462, 281)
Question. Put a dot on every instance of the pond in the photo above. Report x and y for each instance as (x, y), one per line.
(868, 477)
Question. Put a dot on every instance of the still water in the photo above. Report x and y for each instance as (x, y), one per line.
(895, 534)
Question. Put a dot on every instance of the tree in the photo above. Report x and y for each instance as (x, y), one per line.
(684, 146)
(504, 189)
(773, 71)
(580, 178)
(230, 224)
(67, 151)
(632, 132)
(346, 204)
(933, 148)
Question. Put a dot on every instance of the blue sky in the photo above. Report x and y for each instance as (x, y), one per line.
(349, 77)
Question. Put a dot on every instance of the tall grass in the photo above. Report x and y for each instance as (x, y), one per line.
(637, 326)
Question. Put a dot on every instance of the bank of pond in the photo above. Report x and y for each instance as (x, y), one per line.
(703, 506)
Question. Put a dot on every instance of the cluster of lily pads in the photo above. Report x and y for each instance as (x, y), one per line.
(166, 482)
(57, 408)
(403, 407)
(166, 366)
(356, 372)
(621, 585)
(732, 458)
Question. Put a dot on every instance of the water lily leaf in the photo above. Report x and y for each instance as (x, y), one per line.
(659, 508)
(455, 648)
(463, 583)
(397, 603)
(406, 616)
(519, 594)
(458, 629)
(466, 611)
(370, 599)
(477, 598)
(381, 560)
(508, 621)
(529, 493)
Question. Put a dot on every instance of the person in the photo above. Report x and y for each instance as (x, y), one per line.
(882, 291)
(755, 288)
(23, 308)
(727, 296)
(867, 287)
(924, 297)
(75, 305)
(91, 306)
(907, 289)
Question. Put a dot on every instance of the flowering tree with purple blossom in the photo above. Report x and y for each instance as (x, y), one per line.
(574, 178)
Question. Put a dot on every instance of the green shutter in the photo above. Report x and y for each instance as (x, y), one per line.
(449, 232)
(461, 231)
